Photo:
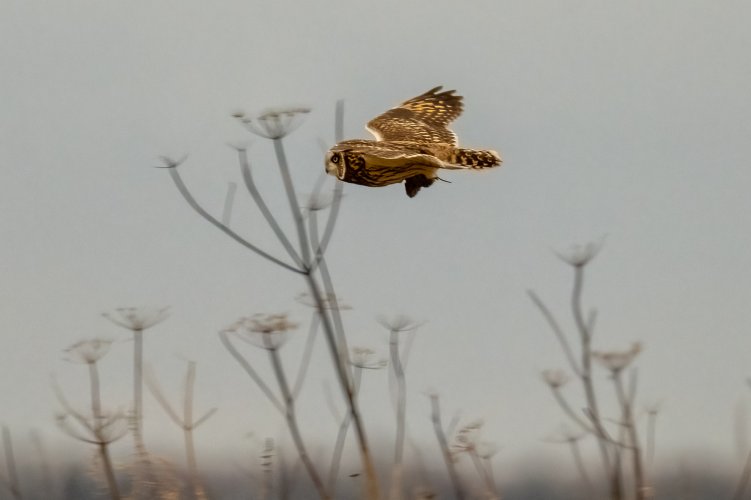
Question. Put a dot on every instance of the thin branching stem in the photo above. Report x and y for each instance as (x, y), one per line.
(568, 352)
(570, 412)
(341, 437)
(625, 401)
(651, 439)
(448, 458)
(371, 486)
(256, 195)
(229, 201)
(224, 336)
(579, 462)
(401, 407)
(190, 449)
(586, 378)
(183, 189)
(328, 230)
(99, 423)
(138, 395)
(328, 285)
(10, 464)
(294, 204)
(484, 474)
(338, 351)
(307, 353)
(109, 470)
(291, 417)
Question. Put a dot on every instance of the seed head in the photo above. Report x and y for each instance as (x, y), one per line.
(137, 319)
(87, 351)
(275, 123)
(398, 323)
(267, 331)
(555, 378)
(615, 361)
(580, 255)
(329, 300)
(363, 357)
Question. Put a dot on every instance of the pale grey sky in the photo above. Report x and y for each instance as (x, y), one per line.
(627, 119)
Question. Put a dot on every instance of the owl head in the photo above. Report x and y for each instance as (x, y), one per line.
(336, 164)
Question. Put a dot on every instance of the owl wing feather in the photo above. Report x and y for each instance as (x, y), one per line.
(423, 119)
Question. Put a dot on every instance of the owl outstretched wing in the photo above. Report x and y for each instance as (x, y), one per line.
(422, 119)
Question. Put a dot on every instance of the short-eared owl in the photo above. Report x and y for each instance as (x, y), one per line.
(412, 142)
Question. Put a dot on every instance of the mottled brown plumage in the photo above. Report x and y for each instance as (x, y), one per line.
(412, 142)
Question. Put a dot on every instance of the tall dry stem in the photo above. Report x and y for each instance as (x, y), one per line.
(307, 259)
(12, 482)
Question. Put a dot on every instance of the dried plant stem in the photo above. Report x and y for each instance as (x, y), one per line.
(371, 485)
(250, 185)
(186, 423)
(566, 407)
(484, 474)
(397, 470)
(188, 197)
(290, 416)
(651, 440)
(555, 327)
(585, 375)
(294, 205)
(229, 201)
(629, 426)
(443, 443)
(138, 395)
(329, 319)
(307, 352)
(224, 336)
(109, 470)
(341, 437)
(188, 426)
(102, 444)
(306, 265)
(145, 481)
(609, 449)
(579, 462)
(10, 464)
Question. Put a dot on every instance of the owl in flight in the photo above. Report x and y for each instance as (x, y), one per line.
(412, 142)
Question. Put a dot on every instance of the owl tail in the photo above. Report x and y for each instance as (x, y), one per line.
(473, 158)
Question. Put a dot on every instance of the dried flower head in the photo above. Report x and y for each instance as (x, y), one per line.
(268, 331)
(398, 323)
(275, 123)
(329, 301)
(467, 437)
(615, 361)
(555, 378)
(363, 357)
(138, 319)
(87, 351)
(580, 255)
(108, 427)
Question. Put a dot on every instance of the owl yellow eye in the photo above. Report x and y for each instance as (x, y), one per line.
(335, 158)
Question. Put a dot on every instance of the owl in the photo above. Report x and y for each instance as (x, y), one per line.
(412, 142)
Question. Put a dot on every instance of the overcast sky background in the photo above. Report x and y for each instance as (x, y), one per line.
(625, 120)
